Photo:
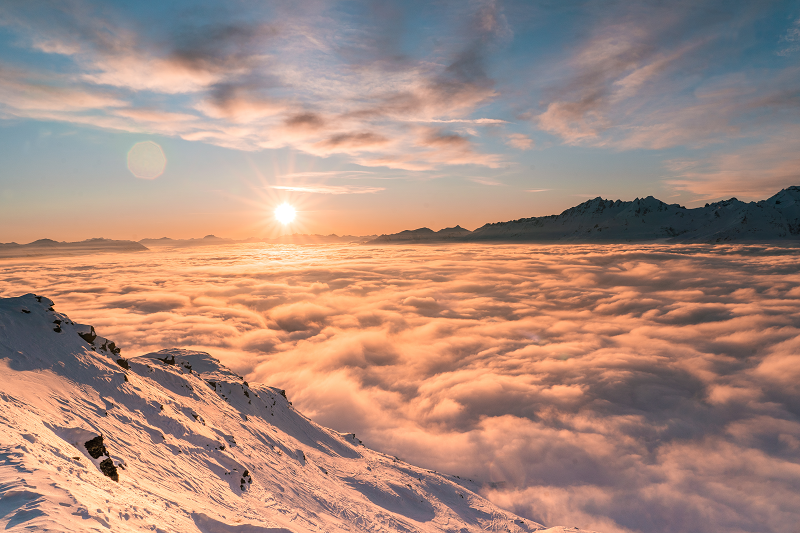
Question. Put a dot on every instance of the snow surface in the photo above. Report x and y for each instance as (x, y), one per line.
(195, 448)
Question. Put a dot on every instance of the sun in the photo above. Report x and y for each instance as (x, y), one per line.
(285, 213)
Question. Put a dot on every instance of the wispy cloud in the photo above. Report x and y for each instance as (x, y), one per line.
(465, 121)
(749, 172)
(329, 189)
(486, 181)
(625, 87)
(252, 79)
(790, 41)
(519, 141)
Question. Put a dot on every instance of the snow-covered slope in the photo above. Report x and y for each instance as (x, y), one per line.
(174, 442)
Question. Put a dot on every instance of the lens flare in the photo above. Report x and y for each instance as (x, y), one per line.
(285, 213)
(146, 160)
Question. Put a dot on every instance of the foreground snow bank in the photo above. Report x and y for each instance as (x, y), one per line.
(174, 441)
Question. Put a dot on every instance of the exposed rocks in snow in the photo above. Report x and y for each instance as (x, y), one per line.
(238, 467)
(96, 450)
(246, 480)
(86, 332)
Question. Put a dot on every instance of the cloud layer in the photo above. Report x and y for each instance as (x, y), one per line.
(620, 388)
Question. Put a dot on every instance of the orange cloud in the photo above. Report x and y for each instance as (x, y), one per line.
(620, 388)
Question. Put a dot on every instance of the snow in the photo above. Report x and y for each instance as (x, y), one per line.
(196, 448)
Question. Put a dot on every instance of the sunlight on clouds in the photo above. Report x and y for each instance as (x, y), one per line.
(618, 388)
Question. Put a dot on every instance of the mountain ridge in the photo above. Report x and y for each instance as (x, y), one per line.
(641, 220)
(44, 247)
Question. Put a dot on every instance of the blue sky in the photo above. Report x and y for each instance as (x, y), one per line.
(373, 117)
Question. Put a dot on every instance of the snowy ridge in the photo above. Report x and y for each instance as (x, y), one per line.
(173, 441)
(641, 220)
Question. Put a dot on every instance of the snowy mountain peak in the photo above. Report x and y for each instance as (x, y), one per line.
(173, 441)
(641, 220)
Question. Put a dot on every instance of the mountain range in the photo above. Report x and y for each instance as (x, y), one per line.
(44, 247)
(175, 442)
(641, 220)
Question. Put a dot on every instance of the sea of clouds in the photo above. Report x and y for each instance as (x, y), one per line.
(619, 388)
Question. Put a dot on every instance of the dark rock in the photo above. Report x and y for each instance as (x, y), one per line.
(95, 447)
(245, 480)
(26, 311)
(86, 332)
(124, 364)
(167, 361)
(107, 467)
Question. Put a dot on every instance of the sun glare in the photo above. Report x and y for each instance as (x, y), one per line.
(285, 213)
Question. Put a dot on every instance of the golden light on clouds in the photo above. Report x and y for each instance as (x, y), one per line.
(285, 213)
(146, 160)
(561, 374)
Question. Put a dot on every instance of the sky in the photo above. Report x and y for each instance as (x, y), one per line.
(617, 388)
(374, 117)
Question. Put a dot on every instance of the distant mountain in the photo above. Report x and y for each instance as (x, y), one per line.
(208, 240)
(300, 238)
(641, 220)
(45, 247)
(212, 240)
(173, 441)
(423, 235)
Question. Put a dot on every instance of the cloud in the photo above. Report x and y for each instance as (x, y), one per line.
(790, 40)
(304, 122)
(154, 115)
(626, 85)
(255, 79)
(452, 148)
(485, 181)
(466, 121)
(23, 91)
(519, 141)
(239, 104)
(749, 172)
(329, 189)
(353, 142)
(618, 388)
